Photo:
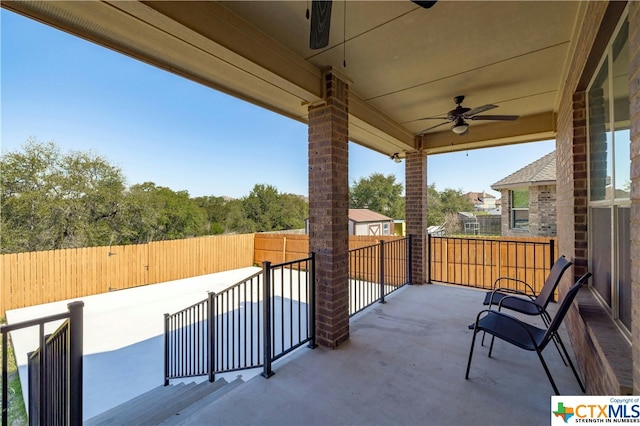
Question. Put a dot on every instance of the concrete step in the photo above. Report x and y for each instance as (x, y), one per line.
(182, 402)
(156, 405)
(184, 416)
(116, 415)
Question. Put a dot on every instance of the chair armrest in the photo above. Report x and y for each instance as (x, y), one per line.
(529, 300)
(508, 291)
(495, 284)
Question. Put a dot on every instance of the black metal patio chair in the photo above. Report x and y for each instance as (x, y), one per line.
(523, 301)
(526, 336)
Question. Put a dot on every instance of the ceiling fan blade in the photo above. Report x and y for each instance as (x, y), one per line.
(320, 24)
(478, 110)
(425, 4)
(433, 127)
(495, 117)
(432, 118)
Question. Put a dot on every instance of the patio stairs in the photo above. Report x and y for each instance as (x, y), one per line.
(167, 405)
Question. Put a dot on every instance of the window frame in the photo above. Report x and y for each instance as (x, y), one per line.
(609, 200)
(513, 210)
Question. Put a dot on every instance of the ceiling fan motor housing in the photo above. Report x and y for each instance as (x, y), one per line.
(458, 112)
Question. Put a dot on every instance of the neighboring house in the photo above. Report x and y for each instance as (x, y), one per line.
(529, 199)
(366, 222)
(482, 201)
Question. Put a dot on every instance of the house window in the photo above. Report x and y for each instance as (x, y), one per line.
(609, 179)
(385, 229)
(519, 208)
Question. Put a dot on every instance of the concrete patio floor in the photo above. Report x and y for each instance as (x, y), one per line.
(404, 363)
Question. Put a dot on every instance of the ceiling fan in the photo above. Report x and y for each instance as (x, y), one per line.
(459, 114)
(321, 21)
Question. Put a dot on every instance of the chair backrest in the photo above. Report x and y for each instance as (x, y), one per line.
(552, 281)
(563, 309)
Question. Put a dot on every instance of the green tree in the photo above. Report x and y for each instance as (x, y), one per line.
(237, 220)
(270, 210)
(159, 213)
(454, 201)
(441, 204)
(53, 200)
(216, 210)
(378, 193)
(295, 209)
(265, 209)
(434, 207)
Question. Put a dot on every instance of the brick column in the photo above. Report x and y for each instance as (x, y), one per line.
(329, 209)
(580, 182)
(416, 211)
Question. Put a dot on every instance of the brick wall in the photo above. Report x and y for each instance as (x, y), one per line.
(589, 327)
(328, 210)
(542, 205)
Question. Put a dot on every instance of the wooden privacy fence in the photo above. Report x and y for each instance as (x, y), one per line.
(277, 248)
(477, 262)
(34, 278)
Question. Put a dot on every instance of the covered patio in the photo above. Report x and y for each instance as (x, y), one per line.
(389, 68)
(404, 364)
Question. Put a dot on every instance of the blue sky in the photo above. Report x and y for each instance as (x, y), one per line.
(159, 127)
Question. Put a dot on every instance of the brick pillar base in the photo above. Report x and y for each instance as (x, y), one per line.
(416, 212)
(329, 209)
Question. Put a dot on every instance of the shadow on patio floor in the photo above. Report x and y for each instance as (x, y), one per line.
(403, 365)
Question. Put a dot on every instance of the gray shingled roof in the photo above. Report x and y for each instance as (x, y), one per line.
(540, 172)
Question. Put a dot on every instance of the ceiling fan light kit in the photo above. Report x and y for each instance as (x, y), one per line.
(460, 127)
(459, 114)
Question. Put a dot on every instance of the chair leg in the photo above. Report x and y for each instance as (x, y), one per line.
(546, 370)
(573, 368)
(473, 341)
(546, 319)
(493, 338)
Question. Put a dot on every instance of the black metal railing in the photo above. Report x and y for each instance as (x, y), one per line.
(477, 262)
(248, 325)
(290, 290)
(186, 342)
(377, 270)
(55, 370)
(238, 326)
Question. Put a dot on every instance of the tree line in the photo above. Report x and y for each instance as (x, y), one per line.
(54, 200)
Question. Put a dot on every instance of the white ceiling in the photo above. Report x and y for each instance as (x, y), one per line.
(404, 62)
